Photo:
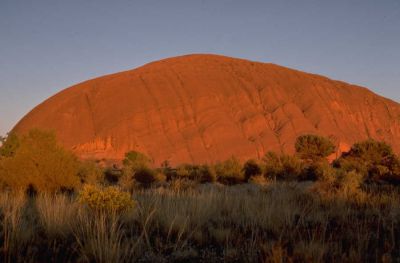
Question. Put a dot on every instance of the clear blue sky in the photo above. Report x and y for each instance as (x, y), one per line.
(46, 46)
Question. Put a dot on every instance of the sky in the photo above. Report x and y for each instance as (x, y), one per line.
(49, 45)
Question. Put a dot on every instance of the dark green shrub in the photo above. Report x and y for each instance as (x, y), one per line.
(374, 160)
(318, 171)
(145, 176)
(371, 151)
(112, 175)
(251, 168)
(207, 174)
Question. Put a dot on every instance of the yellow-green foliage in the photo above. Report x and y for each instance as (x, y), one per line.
(38, 161)
(105, 199)
(198, 173)
(313, 147)
(90, 172)
(135, 160)
(230, 171)
(282, 166)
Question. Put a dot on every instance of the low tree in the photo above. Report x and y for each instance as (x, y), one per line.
(135, 160)
(36, 161)
(373, 159)
(371, 152)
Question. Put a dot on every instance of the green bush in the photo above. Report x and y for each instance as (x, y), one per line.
(145, 176)
(137, 171)
(282, 166)
(207, 174)
(135, 160)
(230, 171)
(312, 147)
(199, 173)
(38, 163)
(374, 160)
(90, 172)
(371, 151)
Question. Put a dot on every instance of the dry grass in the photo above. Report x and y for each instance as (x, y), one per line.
(57, 214)
(102, 239)
(15, 231)
(274, 222)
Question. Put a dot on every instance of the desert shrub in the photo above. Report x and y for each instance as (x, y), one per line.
(112, 174)
(40, 163)
(9, 145)
(282, 166)
(145, 176)
(199, 173)
(371, 151)
(374, 160)
(318, 171)
(311, 147)
(350, 182)
(207, 174)
(90, 172)
(137, 168)
(167, 170)
(105, 199)
(135, 160)
(229, 171)
(389, 172)
(251, 168)
(183, 171)
(347, 163)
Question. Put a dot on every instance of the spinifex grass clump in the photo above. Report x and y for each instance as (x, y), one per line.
(105, 198)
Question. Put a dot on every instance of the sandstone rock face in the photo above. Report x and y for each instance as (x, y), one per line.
(205, 108)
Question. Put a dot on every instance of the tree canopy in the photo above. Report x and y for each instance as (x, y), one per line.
(36, 160)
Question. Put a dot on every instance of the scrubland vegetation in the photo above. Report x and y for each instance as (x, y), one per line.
(283, 208)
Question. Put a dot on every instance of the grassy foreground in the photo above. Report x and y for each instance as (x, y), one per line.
(55, 207)
(182, 221)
